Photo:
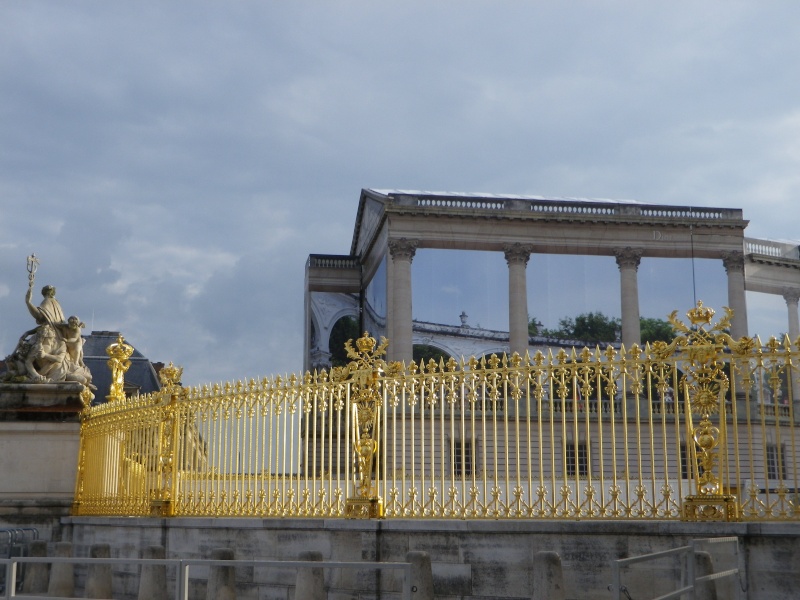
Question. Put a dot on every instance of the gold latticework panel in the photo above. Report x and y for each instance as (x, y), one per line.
(703, 428)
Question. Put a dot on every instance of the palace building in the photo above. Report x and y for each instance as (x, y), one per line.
(374, 283)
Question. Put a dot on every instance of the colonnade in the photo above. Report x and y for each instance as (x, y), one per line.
(399, 291)
(791, 297)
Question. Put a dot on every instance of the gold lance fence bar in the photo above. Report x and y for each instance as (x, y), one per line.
(703, 428)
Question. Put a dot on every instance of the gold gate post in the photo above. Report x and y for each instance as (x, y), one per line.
(119, 354)
(366, 403)
(705, 386)
(162, 502)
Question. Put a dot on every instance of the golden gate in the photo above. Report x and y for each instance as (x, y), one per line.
(702, 428)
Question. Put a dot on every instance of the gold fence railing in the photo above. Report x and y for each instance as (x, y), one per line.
(704, 428)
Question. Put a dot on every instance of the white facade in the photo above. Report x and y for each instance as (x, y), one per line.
(392, 225)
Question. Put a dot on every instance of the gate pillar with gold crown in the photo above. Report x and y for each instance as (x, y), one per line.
(366, 402)
(109, 452)
(705, 386)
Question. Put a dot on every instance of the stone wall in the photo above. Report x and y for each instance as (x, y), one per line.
(472, 560)
(39, 439)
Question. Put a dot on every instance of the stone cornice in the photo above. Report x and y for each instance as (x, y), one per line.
(774, 261)
(590, 212)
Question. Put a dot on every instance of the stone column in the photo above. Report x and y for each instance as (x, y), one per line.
(737, 301)
(389, 308)
(36, 574)
(62, 574)
(98, 576)
(517, 256)
(310, 583)
(792, 297)
(153, 577)
(421, 575)
(628, 260)
(402, 252)
(548, 576)
(221, 579)
(703, 567)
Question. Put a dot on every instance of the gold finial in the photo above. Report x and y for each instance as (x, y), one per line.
(119, 350)
(700, 314)
(170, 375)
(365, 343)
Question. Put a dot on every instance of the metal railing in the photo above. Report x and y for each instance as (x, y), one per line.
(564, 206)
(773, 248)
(15, 542)
(182, 568)
(686, 430)
(689, 578)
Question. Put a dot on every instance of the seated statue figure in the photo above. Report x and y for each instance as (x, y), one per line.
(52, 351)
(49, 311)
(47, 358)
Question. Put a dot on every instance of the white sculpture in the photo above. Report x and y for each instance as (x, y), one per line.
(53, 350)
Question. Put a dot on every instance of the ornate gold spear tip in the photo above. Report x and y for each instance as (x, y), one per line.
(170, 375)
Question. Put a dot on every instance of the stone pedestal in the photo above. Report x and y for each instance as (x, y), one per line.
(39, 439)
(41, 402)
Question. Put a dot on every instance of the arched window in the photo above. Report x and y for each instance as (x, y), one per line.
(344, 329)
(426, 352)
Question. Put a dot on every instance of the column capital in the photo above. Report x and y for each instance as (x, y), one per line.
(517, 254)
(403, 248)
(628, 257)
(791, 295)
(733, 261)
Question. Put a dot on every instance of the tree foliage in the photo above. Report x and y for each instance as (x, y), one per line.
(656, 330)
(597, 327)
(424, 352)
(344, 329)
(586, 327)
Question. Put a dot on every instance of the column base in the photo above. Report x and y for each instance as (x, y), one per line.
(712, 507)
(161, 508)
(364, 508)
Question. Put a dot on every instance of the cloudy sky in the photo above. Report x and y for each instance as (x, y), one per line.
(173, 164)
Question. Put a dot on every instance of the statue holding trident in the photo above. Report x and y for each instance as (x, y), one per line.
(53, 350)
(49, 311)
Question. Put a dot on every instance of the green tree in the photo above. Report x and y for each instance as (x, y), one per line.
(656, 330)
(425, 352)
(534, 326)
(597, 327)
(586, 327)
(344, 329)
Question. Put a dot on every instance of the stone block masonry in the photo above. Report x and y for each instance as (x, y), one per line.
(470, 560)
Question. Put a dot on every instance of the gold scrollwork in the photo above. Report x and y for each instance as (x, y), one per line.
(706, 385)
(365, 370)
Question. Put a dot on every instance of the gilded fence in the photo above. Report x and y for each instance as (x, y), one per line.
(703, 428)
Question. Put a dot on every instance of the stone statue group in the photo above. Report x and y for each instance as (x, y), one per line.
(53, 350)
